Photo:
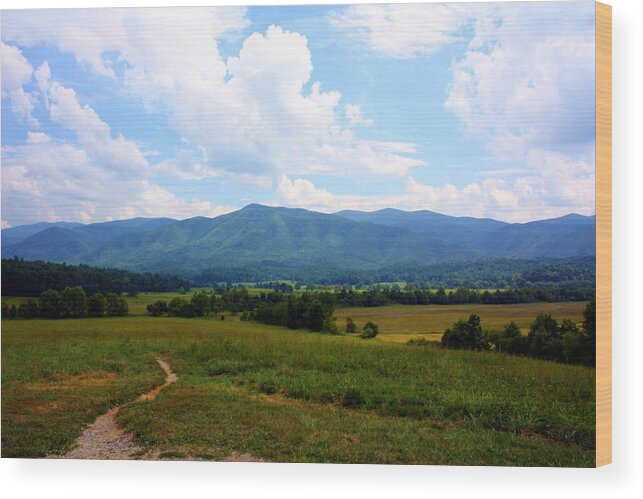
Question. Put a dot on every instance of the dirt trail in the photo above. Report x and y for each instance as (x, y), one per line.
(104, 439)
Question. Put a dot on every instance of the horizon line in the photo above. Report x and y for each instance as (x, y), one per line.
(298, 208)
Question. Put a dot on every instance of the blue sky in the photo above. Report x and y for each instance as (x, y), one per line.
(465, 109)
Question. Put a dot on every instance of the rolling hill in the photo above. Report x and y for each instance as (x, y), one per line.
(263, 242)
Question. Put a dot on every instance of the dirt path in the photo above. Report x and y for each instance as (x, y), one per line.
(104, 439)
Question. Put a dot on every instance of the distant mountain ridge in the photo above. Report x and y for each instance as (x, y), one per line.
(272, 242)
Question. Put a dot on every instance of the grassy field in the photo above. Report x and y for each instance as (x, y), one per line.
(294, 396)
(399, 323)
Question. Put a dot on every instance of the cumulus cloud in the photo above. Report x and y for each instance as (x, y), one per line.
(16, 73)
(354, 115)
(52, 180)
(255, 113)
(520, 200)
(402, 30)
(518, 103)
(94, 135)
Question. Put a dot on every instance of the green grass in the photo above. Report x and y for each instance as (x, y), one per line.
(293, 396)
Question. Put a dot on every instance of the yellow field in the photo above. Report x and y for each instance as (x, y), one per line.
(400, 323)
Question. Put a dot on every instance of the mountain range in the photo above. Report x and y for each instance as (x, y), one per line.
(263, 242)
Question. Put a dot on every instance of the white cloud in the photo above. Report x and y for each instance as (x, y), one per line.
(557, 189)
(37, 137)
(16, 73)
(249, 114)
(354, 115)
(102, 178)
(94, 135)
(402, 30)
(518, 103)
(51, 180)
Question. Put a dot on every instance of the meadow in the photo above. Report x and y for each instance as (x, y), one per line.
(289, 396)
(400, 323)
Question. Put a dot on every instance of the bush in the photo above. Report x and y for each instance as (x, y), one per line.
(157, 308)
(370, 330)
(466, 335)
(179, 307)
(351, 327)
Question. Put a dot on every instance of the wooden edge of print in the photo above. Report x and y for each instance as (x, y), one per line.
(603, 234)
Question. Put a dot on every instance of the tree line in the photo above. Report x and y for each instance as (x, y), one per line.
(203, 303)
(394, 295)
(26, 278)
(546, 339)
(70, 303)
(303, 311)
(481, 273)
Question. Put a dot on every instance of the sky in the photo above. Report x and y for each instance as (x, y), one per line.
(482, 110)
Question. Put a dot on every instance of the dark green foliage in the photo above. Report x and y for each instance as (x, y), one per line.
(385, 295)
(315, 317)
(180, 307)
(510, 340)
(351, 327)
(50, 304)
(466, 334)
(21, 278)
(370, 330)
(549, 340)
(115, 305)
(5, 310)
(28, 310)
(306, 311)
(13, 312)
(157, 308)
(545, 338)
(73, 302)
(201, 304)
(96, 305)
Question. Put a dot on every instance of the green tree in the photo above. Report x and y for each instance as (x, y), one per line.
(49, 304)
(545, 338)
(179, 307)
(28, 310)
(157, 308)
(74, 302)
(370, 330)
(96, 305)
(200, 303)
(115, 305)
(5, 309)
(13, 312)
(466, 334)
(351, 327)
(315, 317)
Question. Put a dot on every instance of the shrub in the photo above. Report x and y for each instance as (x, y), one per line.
(351, 327)
(370, 330)
(466, 335)
(157, 308)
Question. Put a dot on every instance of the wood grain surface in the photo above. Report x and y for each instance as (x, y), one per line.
(603, 234)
